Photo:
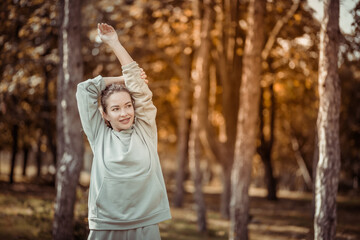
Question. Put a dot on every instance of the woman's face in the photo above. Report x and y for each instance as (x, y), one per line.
(120, 111)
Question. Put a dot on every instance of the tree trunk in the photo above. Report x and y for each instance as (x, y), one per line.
(229, 69)
(38, 157)
(226, 192)
(199, 117)
(247, 124)
(69, 138)
(328, 168)
(183, 131)
(15, 136)
(314, 167)
(265, 148)
(48, 128)
(269, 177)
(26, 149)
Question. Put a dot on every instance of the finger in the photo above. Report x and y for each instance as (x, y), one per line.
(146, 81)
(109, 28)
(103, 29)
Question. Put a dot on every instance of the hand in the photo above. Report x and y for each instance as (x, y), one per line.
(107, 33)
(144, 76)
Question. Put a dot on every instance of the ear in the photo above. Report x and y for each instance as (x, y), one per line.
(103, 114)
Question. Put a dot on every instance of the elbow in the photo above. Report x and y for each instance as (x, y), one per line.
(80, 87)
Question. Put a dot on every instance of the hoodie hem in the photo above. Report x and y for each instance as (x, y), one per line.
(107, 224)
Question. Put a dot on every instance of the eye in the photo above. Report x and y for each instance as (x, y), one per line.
(115, 109)
(129, 106)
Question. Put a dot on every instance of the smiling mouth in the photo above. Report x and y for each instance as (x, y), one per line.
(125, 121)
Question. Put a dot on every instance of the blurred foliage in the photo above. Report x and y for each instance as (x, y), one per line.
(28, 58)
(158, 33)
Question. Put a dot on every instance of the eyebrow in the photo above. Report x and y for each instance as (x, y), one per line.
(119, 106)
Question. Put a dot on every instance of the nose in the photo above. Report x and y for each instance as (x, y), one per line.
(122, 112)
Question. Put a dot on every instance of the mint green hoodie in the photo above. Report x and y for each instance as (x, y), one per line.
(127, 188)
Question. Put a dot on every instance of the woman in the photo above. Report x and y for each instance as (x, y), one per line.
(127, 197)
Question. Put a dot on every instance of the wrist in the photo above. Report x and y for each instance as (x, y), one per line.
(114, 43)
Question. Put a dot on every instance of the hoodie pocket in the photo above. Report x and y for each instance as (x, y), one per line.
(129, 199)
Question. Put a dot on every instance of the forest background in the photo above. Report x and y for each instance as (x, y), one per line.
(162, 37)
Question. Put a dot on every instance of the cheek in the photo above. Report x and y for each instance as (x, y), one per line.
(112, 115)
(131, 111)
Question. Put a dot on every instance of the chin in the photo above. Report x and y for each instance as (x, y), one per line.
(125, 127)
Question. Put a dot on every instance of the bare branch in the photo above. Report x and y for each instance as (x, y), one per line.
(278, 26)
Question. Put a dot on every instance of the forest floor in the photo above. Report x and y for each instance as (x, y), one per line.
(27, 208)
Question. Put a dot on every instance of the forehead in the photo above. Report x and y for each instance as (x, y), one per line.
(119, 98)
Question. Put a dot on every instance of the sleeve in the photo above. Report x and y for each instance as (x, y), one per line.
(87, 100)
(145, 111)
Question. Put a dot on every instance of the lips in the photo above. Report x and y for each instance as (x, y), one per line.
(125, 121)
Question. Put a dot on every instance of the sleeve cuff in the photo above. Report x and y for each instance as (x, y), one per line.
(99, 81)
(129, 66)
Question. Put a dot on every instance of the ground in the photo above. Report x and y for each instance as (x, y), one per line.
(26, 211)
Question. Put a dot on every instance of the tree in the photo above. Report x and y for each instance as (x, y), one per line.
(69, 137)
(14, 134)
(266, 145)
(228, 68)
(199, 115)
(183, 130)
(328, 167)
(247, 124)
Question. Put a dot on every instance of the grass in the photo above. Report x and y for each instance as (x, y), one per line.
(26, 212)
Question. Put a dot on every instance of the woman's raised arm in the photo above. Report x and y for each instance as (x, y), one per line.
(145, 111)
(109, 36)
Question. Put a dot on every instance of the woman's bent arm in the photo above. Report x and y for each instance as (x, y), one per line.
(87, 100)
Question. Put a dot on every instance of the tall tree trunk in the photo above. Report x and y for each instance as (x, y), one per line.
(327, 173)
(226, 192)
(245, 146)
(15, 136)
(199, 117)
(265, 148)
(38, 156)
(314, 166)
(26, 149)
(230, 104)
(69, 138)
(183, 130)
(228, 65)
(48, 128)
